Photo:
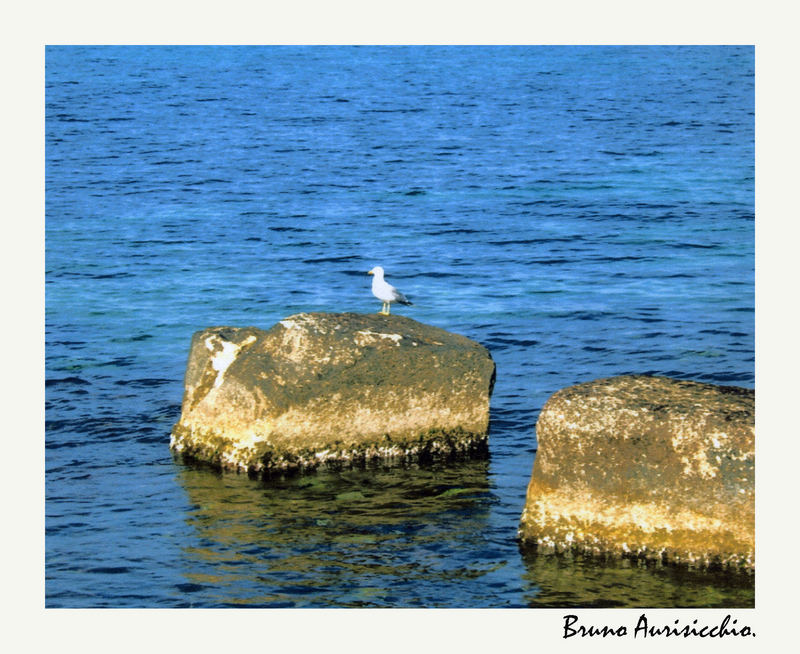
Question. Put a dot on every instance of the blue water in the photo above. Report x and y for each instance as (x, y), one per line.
(581, 211)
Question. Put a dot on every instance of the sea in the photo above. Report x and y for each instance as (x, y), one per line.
(582, 212)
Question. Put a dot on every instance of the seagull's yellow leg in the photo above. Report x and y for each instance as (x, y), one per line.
(388, 308)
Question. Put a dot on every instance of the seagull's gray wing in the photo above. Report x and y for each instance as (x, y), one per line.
(399, 297)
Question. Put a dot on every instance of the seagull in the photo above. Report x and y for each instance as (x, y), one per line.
(386, 293)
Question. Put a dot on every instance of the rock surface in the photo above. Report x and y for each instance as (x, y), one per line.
(649, 467)
(322, 387)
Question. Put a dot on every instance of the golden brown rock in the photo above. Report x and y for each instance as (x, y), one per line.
(321, 387)
(646, 466)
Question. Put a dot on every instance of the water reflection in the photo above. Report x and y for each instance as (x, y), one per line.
(578, 581)
(385, 536)
(428, 536)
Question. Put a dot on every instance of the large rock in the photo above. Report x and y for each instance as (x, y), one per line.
(646, 466)
(321, 387)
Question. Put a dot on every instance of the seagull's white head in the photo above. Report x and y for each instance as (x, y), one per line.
(377, 271)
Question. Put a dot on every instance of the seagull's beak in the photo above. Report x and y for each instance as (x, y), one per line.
(370, 273)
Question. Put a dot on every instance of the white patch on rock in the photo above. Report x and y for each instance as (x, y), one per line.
(221, 360)
(303, 321)
(367, 337)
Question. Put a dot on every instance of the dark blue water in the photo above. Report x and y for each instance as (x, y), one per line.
(581, 211)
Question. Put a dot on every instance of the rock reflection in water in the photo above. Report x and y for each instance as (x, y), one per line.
(354, 537)
(557, 580)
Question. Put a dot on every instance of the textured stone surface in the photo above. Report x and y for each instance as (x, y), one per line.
(646, 466)
(321, 387)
